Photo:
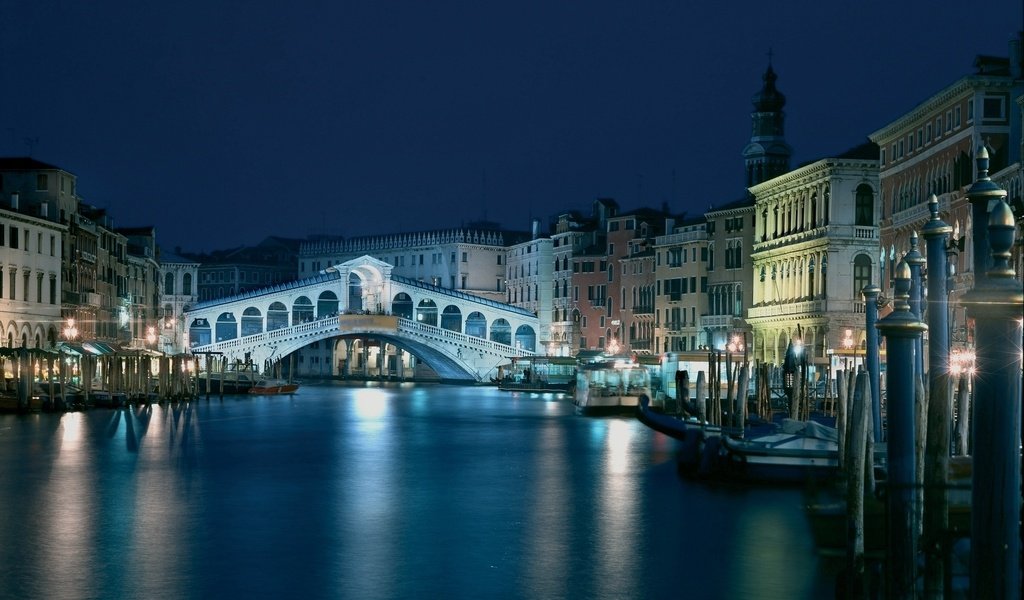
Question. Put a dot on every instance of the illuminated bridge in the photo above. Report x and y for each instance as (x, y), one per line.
(461, 337)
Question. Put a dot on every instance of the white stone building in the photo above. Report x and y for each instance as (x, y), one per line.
(816, 247)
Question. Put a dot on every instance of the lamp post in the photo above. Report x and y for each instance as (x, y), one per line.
(70, 331)
(847, 343)
(150, 336)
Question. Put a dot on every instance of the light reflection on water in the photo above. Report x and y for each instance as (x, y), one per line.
(381, 492)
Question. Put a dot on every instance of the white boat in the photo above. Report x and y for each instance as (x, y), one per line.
(610, 387)
(798, 451)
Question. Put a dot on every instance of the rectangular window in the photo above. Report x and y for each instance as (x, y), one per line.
(938, 127)
(53, 289)
(956, 117)
(928, 134)
(14, 284)
(39, 289)
(949, 121)
(970, 110)
(611, 249)
(910, 143)
(993, 108)
(465, 257)
(882, 156)
(920, 138)
(26, 240)
(613, 226)
(42, 182)
(14, 237)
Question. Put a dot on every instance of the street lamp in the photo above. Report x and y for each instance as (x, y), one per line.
(847, 343)
(151, 335)
(70, 331)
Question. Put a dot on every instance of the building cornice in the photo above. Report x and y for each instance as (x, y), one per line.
(817, 171)
(970, 83)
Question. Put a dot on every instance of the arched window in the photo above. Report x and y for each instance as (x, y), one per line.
(169, 283)
(186, 284)
(865, 206)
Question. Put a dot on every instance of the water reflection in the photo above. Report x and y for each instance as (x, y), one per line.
(387, 492)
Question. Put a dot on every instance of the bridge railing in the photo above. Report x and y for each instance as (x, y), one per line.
(264, 337)
(416, 328)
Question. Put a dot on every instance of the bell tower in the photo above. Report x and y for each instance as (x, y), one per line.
(767, 154)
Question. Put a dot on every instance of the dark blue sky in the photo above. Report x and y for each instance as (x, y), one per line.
(224, 122)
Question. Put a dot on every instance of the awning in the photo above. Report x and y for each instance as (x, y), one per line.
(99, 348)
(71, 348)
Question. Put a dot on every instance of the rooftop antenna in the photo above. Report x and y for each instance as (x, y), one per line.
(31, 143)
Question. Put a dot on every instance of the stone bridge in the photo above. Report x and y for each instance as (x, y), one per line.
(460, 336)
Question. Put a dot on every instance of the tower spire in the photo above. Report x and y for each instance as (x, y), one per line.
(767, 154)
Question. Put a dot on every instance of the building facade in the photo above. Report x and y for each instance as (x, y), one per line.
(816, 247)
(681, 288)
(469, 260)
(730, 274)
(178, 277)
(932, 150)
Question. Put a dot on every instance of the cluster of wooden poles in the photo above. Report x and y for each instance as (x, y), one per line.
(139, 377)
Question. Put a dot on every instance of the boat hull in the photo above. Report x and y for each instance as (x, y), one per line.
(287, 388)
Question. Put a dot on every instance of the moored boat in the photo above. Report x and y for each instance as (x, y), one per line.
(236, 379)
(544, 374)
(797, 452)
(274, 386)
(610, 387)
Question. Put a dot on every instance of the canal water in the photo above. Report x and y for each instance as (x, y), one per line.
(380, 492)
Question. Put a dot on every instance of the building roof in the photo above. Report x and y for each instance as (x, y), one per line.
(24, 163)
(173, 257)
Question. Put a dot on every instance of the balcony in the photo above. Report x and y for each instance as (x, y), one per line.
(788, 309)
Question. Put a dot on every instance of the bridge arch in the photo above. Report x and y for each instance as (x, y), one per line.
(426, 312)
(326, 304)
(277, 316)
(401, 305)
(252, 321)
(451, 318)
(302, 310)
(526, 338)
(501, 332)
(476, 325)
(227, 327)
(199, 333)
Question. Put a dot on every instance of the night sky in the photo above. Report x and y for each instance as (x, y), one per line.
(224, 122)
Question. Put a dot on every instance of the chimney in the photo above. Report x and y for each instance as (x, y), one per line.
(535, 228)
(14, 200)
